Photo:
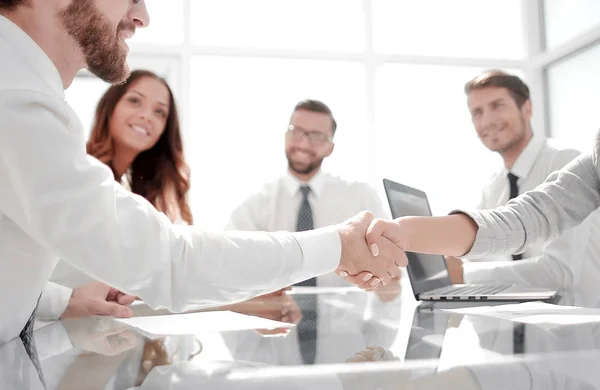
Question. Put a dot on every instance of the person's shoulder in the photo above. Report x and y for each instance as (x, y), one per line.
(559, 153)
(344, 183)
(493, 178)
(16, 76)
(266, 192)
(560, 147)
(596, 150)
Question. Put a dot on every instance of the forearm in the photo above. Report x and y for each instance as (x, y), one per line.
(451, 235)
(69, 204)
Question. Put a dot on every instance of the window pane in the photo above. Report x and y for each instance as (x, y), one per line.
(166, 23)
(425, 135)
(574, 95)
(333, 25)
(566, 19)
(240, 110)
(465, 28)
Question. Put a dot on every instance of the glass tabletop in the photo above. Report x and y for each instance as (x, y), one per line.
(353, 340)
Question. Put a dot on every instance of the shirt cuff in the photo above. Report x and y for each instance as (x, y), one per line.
(482, 246)
(54, 301)
(321, 252)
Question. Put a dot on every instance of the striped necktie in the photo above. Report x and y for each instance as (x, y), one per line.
(307, 328)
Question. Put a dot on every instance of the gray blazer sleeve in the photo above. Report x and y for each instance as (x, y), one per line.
(564, 200)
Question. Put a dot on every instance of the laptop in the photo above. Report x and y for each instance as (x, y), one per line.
(429, 275)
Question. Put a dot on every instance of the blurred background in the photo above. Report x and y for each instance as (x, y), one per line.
(392, 71)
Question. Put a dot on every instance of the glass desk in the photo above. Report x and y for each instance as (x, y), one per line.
(362, 342)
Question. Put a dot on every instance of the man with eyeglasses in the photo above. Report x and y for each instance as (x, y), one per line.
(307, 198)
(57, 202)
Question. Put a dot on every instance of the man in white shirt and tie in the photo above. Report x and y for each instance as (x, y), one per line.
(306, 198)
(57, 202)
(501, 111)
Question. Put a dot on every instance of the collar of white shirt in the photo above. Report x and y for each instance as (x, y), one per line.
(32, 54)
(526, 159)
(316, 183)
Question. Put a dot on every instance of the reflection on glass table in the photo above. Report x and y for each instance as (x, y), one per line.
(361, 344)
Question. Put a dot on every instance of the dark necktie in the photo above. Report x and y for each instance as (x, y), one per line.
(307, 328)
(305, 217)
(519, 328)
(26, 336)
(514, 192)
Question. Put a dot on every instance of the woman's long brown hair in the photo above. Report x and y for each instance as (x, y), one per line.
(159, 174)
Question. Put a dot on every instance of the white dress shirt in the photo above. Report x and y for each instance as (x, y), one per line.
(567, 261)
(332, 200)
(57, 202)
(65, 278)
(54, 299)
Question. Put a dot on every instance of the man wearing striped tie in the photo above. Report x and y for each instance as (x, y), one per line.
(305, 198)
(57, 202)
(501, 110)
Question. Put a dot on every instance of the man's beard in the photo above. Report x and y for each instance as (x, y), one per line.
(101, 47)
(517, 140)
(310, 168)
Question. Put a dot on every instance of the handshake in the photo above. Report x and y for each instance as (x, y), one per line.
(370, 257)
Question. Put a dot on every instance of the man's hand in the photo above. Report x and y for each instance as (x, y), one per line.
(375, 264)
(455, 268)
(98, 299)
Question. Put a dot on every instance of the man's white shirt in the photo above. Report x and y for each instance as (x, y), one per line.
(57, 202)
(332, 200)
(566, 262)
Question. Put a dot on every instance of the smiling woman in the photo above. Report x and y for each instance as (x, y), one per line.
(136, 133)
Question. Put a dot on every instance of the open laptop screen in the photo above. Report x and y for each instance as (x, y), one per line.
(426, 272)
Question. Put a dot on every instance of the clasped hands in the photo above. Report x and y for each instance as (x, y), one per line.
(372, 251)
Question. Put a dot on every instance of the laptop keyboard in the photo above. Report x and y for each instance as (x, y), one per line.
(484, 289)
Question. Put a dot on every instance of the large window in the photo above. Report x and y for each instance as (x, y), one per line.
(574, 96)
(570, 65)
(166, 23)
(425, 135)
(464, 28)
(240, 111)
(330, 25)
(566, 19)
(391, 70)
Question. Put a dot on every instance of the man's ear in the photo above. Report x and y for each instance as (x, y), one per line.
(329, 149)
(527, 110)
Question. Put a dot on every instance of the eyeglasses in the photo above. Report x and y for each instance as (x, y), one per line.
(314, 137)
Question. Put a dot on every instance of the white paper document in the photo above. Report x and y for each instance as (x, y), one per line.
(542, 314)
(193, 323)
